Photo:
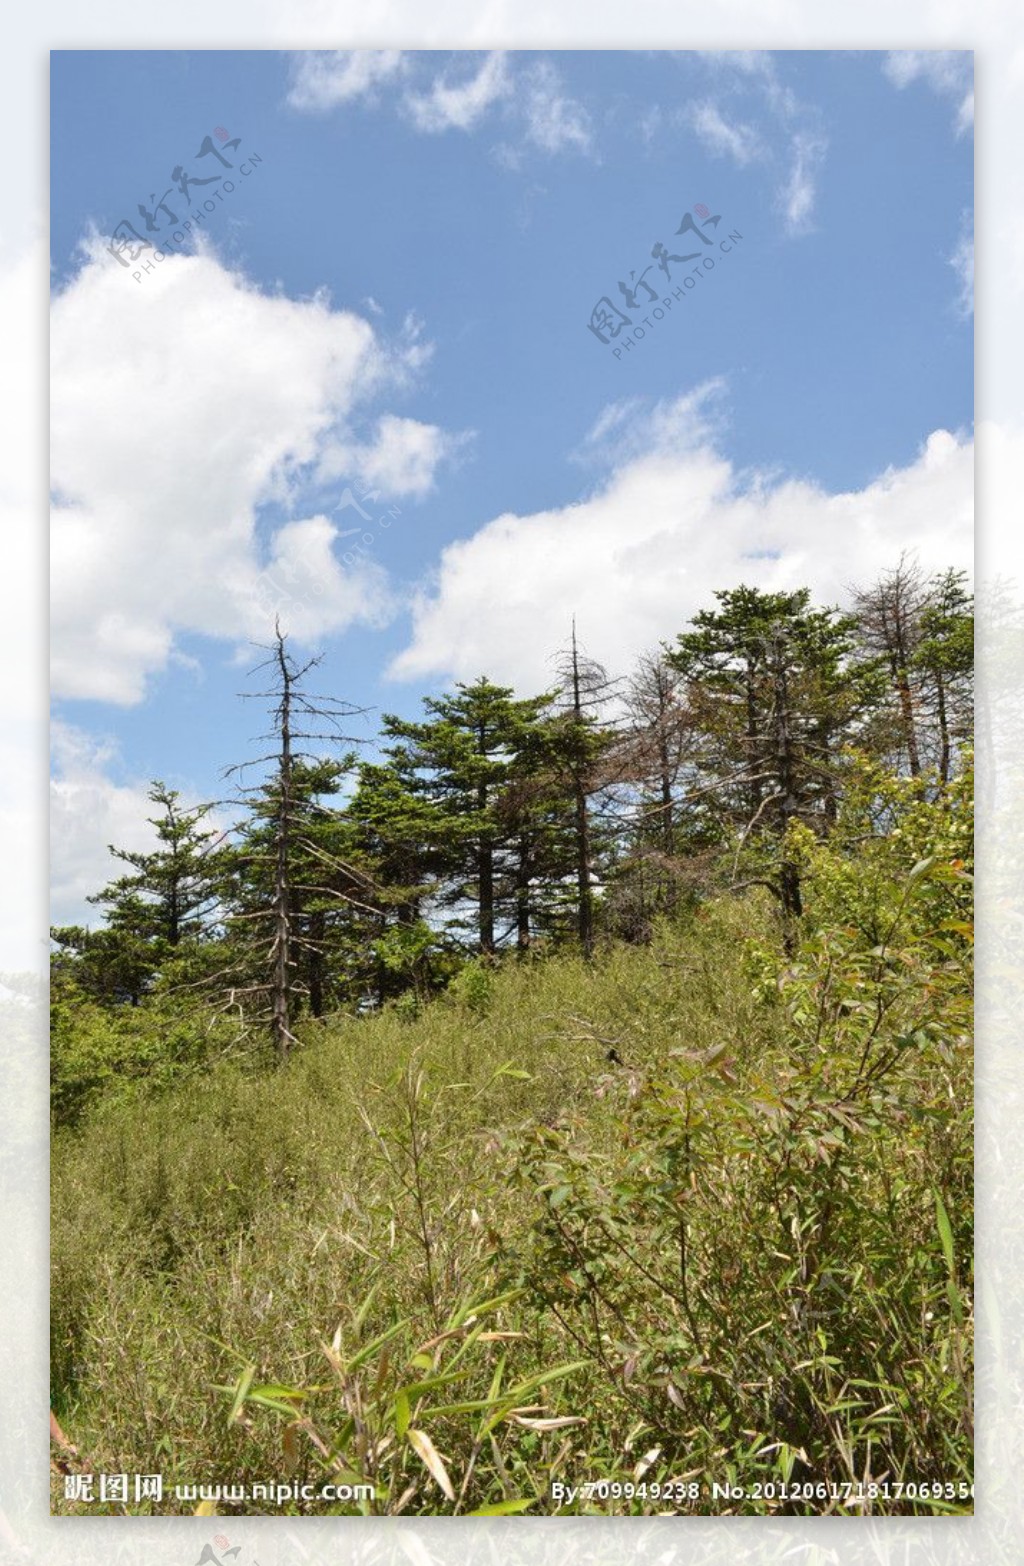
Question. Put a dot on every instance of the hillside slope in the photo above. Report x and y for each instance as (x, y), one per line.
(718, 1202)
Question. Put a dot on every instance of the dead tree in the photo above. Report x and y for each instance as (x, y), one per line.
(889, 621)
(282, 841)
(583, 693)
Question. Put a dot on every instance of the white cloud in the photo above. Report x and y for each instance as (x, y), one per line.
(631, 428)
(400, 459)
(181, 406)
(460, 105)
(321, 79)
(758, 68)
(532, 97)
(554, 121)
(798, 193)
(739, 141)
(671, 524)
(88, 811)
(962, 262)
(795, 140)
(752, 62)
(949, 72)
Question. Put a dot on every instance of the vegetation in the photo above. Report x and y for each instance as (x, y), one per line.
(609, 1120)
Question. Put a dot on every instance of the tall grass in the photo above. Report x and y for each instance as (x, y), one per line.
(440, 1252)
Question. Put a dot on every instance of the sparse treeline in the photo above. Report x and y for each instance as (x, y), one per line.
(498, 823)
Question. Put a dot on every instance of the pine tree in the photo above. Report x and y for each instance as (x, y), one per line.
(578, 746)
(457, 766)
(944, 658)
(155, 917)
(774, 689)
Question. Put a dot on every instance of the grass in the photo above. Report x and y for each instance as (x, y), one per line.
(439, 1254)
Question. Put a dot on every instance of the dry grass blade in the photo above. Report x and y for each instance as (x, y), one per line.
(428, 1454)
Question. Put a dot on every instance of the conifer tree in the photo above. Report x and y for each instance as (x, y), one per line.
(157, 914)
(457, 765)
(776, 690)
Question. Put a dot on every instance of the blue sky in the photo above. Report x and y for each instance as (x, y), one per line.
(393, 304)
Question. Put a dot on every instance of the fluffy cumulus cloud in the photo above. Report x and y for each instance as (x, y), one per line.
(401, 455)
(89, 811)
(182, 406)
(665, 528)
(949, 72)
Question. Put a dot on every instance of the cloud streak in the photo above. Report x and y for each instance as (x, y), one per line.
(948, 72)
(739, 141)
(460, 105)
(322, 81)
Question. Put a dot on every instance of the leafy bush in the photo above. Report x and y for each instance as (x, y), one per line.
(771, 1267)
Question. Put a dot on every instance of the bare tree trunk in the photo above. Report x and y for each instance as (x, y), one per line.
(945, 748)
(585, 901)
(889, 614)
(485, 872)
(789, 874)
(523, 897)
(281, 990)
(899, 662)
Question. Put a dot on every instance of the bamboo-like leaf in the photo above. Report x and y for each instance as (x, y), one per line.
(242, 1386)
(283, 1400)
(206, 1509)
(646, 1462)
(945, 1234)
(469, 1313)
(558, 1422)
(542, 1378)
(428, 1454)
(369, 1349)
(364, 1309)
(431, 1383)
(403, 1414)
(503, 1508)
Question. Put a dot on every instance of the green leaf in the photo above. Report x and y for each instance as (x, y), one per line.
(945, 1233)
(245, 1381)
(369, 1349)
(403, 1414)
(503, 1508)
